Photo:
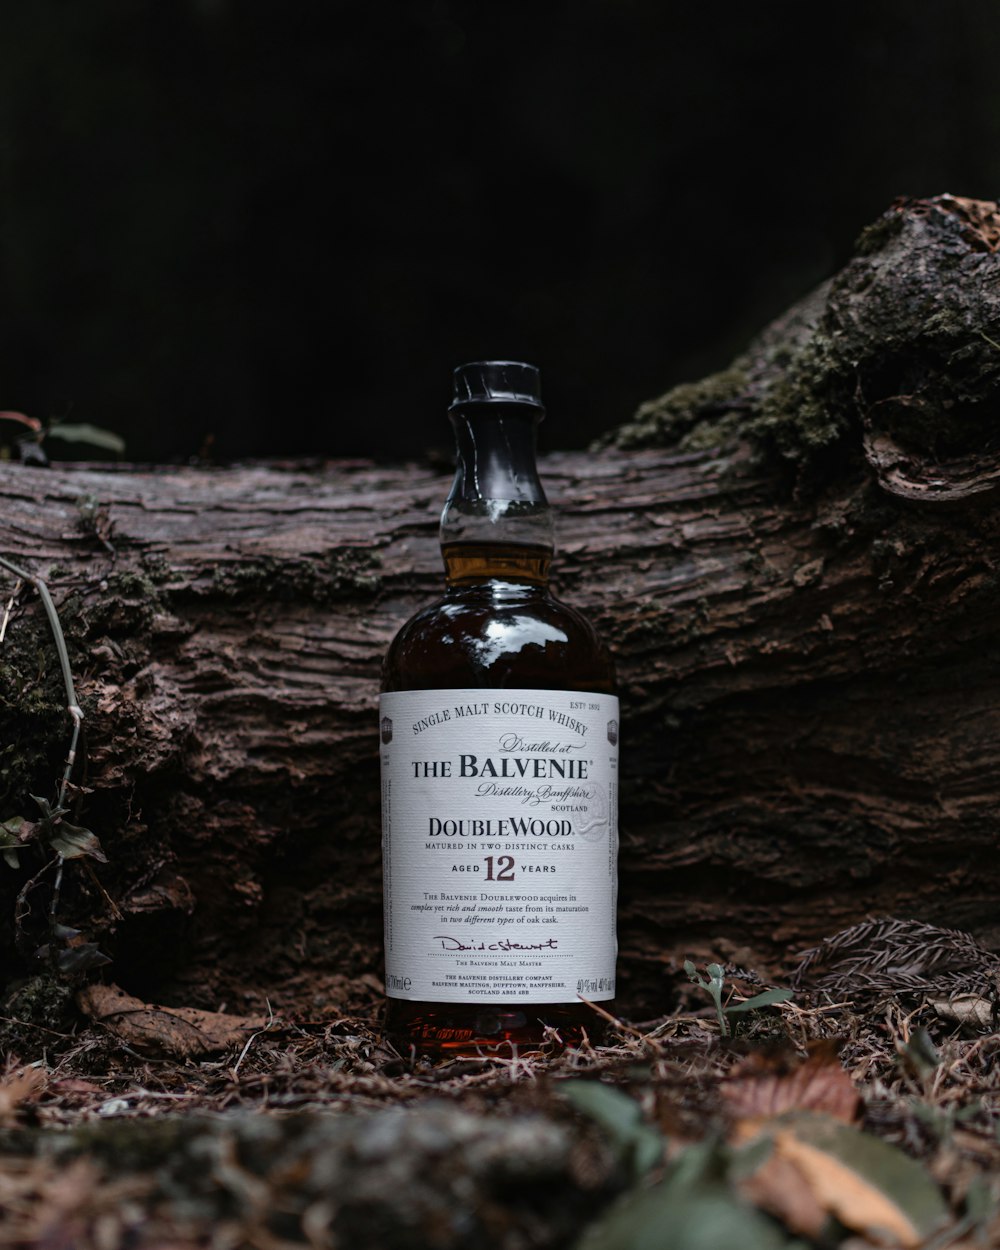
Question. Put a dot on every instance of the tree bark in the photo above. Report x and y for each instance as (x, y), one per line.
(795, 563)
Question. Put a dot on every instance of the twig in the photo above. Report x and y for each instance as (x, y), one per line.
(992, 342)
(10, 608)
(139, 1092)
(30, 1024)
(619, 1024)
(251, 1039)
(113, 907)
(21, 906)
(73, 706)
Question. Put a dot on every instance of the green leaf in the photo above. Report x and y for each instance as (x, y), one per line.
(81, 958)
(15, 833)
(610, 1107)
(621, 1118)
(767, 999)
(72, 842)
(48, 811)
(921, 1051)
(708, 1218)
(692, 1208)
(63, 931)
(715, 986)
(745, 1160)
(93, 435)
(979, 1203)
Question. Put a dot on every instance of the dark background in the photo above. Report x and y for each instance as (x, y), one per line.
(277, 227)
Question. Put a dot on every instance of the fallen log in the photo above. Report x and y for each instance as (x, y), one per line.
(795, 562)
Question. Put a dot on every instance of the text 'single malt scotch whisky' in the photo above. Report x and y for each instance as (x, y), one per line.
(499, 733)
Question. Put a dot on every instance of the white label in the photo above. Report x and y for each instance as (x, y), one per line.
(500, 845)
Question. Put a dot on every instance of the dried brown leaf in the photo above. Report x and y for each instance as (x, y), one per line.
(181, 1032)
(18, 1088)
(852, 1198)
(777, 1187)
(73, 1089)
(769, 1085)
(969, 1009)
(31, 423)
(982, 221)
(871, 1187)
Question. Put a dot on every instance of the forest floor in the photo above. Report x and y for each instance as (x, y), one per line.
(799, 1121)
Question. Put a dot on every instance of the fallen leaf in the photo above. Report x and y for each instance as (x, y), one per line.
(74, 1087)
(771, 1084)
(180, 1032)
(970, 1009)
(853, 1199)
(871, 1187)
(776, 1187)
(691, 1208)
(17, 1088)
(167, 891)
(32, 423)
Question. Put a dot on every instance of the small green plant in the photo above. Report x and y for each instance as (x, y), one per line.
(69, 841)
(66, 951)
(715, 983)
(26, 435)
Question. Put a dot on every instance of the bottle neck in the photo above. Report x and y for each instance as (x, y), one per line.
(496, 523)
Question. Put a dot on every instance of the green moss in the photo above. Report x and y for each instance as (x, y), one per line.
(881, 231)
(157, 568)
(717, 432)
(35, 1011)
(810, 406)
(131, 584)
(126, 606)
(700, 404)
(34, 726)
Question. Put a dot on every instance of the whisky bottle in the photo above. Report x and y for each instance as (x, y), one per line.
(499, 732)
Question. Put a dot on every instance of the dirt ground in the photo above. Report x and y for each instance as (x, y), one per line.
(815, 1119)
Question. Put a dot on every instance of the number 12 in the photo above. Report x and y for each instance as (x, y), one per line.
(505, 866)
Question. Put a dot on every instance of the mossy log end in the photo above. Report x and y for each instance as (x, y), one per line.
(796, 563)
(427, 1173)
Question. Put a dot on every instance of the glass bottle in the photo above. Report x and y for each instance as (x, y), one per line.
(499, 730)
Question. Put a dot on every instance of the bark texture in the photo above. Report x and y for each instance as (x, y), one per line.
(795, 561)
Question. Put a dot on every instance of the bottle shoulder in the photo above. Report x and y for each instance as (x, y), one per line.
(498, 636)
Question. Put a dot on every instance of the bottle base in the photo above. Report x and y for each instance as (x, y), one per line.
(502, 1030)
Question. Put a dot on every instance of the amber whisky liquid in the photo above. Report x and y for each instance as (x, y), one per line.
(497, 628)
